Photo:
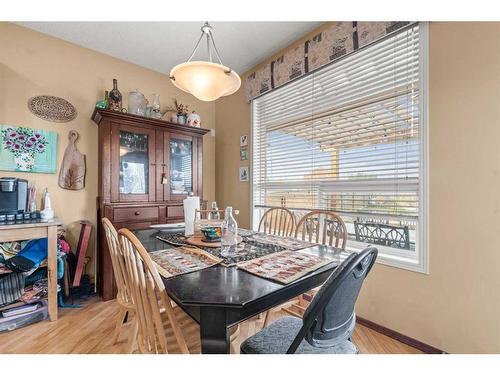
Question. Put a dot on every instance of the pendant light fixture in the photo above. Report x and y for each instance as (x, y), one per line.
(206, 80)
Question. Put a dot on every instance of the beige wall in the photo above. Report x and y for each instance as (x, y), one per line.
(233, 120)
(33, 64)
(457, 306)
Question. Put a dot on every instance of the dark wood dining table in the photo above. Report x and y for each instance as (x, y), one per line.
(220, 297)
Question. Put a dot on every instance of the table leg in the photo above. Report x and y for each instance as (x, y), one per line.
(213, 331)
(52, 270)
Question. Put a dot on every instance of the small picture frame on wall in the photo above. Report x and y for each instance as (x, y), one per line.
(243, 140)
(244, 174)
(243, 153)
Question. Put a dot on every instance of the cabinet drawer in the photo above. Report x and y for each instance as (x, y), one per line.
(135, 213)
(175, 211)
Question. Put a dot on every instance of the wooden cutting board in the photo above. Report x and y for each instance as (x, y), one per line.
(197, 240)
(73, 168)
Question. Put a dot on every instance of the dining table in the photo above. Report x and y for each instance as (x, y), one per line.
(220, 297)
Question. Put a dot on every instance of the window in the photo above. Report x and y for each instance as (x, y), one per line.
(351, 138)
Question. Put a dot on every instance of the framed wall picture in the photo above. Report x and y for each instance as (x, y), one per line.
(244, 174)
(27, 150)
(243, 140)
(243, 153)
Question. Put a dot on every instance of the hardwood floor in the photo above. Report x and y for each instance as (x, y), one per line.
(90, 330)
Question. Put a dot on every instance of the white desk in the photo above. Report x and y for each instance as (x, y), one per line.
(19, 232)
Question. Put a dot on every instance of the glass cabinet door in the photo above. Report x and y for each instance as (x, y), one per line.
(180, 165)
(134, 163)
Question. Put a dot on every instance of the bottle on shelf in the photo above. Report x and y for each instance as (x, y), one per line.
(214, 212)
(47, 213)
(106, 99)
(115, 97)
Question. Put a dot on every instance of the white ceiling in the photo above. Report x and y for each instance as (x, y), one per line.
(162, 45)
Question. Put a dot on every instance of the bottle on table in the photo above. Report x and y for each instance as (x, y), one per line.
(229, 238)
(214, 212)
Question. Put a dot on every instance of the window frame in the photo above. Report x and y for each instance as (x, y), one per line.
(418, 261)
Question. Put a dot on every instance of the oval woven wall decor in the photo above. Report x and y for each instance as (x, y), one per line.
(52, 108)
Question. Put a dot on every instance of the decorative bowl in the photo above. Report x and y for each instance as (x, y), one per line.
(211, 234)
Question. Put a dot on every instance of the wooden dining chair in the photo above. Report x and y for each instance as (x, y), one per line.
(162, 326)
(320, 227)
(279, 221)
(123, 296)
(154, 310)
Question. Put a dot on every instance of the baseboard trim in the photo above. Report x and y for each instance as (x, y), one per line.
(399, 337)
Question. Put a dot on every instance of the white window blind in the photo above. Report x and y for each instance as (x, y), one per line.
(347, 138)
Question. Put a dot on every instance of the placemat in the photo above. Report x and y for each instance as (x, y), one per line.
(284, 266)
(246, 232)
(285, 242)
(180, 260)
(174, 239)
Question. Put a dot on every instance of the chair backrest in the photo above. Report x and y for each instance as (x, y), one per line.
(330, 318)
(117, 262)
(322, 227)
(279, 221)
(150, 298)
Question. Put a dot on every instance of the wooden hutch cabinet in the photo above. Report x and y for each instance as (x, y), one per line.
(146, 168)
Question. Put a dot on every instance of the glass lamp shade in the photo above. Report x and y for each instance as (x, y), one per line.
(205, 80)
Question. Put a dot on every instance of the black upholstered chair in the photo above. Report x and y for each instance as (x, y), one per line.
(329, 320)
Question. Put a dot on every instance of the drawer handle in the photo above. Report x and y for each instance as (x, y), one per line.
(137, 213)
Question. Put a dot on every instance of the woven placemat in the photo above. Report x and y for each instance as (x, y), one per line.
(285, 266)
(181, 260)
(174, 239)
(289, 243)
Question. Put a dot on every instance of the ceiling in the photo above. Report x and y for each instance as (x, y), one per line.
(162, 45)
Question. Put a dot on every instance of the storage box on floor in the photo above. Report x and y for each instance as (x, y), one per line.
(21, 316)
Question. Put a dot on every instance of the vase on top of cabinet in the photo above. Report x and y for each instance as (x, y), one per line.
(137, 103)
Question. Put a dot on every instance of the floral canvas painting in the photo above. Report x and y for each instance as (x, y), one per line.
(27, 150)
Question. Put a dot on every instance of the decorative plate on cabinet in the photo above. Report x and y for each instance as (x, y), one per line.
(52, 108)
